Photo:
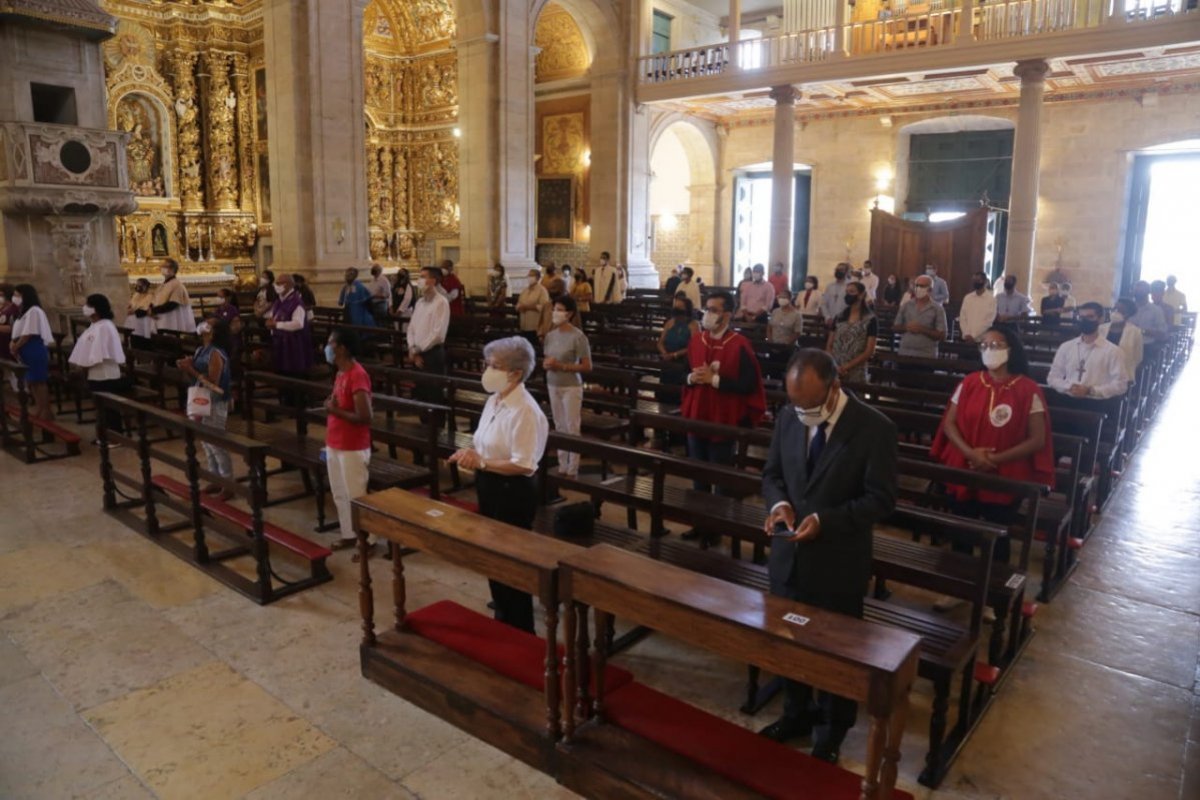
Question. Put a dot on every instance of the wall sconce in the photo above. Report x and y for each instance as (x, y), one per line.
(585, 158)
(668, 223)
(458, 133)
(339, 230)
(883, 179)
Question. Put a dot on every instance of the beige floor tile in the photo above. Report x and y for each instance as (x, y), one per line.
(46, 751)
(477, 771)
(206, 733)
(1064, 727)
(127, 788)
(14, 666)
(337, 775)
(150, 572)
(34, 573)
(100, 642)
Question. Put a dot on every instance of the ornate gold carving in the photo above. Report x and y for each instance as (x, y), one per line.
(564, 51)
(435, 201)
(222, 150)
(439, 84)
(242, 80)
(374, 186)
(378, 84)
(400, 188)
(187, 120)
(133, 44)
(140, 118)
(409, 25)
(563, 144)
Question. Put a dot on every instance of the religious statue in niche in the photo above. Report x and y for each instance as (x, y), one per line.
(260, 103)
(437, 85)
(137, 116)
(158, 241)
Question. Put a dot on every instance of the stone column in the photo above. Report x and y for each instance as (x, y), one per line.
(966, 23)
(243, 86)
(515, 134)
(314, 61)
(782, 168)
(182, 65)
(1027, 154)
(478, 159)
(222, 161)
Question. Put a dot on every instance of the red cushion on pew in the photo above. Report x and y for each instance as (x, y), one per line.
(70, 437)
(463, 504)
(1028, 609)
(767, 767)
(514, 654)
(986, 673)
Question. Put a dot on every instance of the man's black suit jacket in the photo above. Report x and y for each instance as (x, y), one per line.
(852, 486)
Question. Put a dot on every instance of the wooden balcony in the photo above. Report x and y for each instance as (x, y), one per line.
(925, 36)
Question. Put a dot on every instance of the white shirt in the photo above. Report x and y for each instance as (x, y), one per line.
(605, 277)
(977, 314)
(691, 290)
(513, 429)
(1100, 366)
(299, 317)
(811, 431)
(33, 323)
(812, 306)
(98, 350)
(429, 323)
(380, 288)
(871, 282)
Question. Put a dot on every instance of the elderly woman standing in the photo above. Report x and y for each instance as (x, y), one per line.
(509, 444)
(138, 315)
(209, 368)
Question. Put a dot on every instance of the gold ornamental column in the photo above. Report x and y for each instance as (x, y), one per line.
(182, 65)
(222, 145)
(243, 86)
(384, 199)
(399, 188)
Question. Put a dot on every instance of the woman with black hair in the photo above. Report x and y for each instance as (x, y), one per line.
(209, 368)
(996, 422)
(31, 336)
(267, 294)
(98, 351)
(855, 331)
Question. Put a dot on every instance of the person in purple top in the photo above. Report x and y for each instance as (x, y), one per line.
(291, 337)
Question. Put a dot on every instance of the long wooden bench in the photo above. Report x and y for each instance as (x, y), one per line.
(20, 439)
(633, 747)
(244, 532)
(495, 682)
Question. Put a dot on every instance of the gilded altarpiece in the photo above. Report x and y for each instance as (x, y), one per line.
(181, 82)
(411, 88)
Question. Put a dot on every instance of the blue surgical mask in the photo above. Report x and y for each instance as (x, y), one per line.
(329, 354)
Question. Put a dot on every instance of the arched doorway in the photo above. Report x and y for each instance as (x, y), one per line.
(683, 195)
(1163, 208)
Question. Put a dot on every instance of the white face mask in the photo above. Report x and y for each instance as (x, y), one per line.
(166, 273)
(280, 288)
(920, 292)
(784, 302)
(494, 380)
(263, 281)
(866, 270)
(88, 311)
(994, 359)
(1117, 316)
(3, 299)
(930, 271)
(815, 416)
(18, 300)
(203, 328)
(710, 321)
(559, 317)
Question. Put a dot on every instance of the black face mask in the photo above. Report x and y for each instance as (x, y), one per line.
(978, 284)
(1008, 287)
(840, 275)
(851, 299)
(679, 312)
(1089, 326)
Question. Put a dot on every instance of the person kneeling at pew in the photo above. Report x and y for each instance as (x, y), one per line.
(821, 518)
(347, 432)
(509, 444)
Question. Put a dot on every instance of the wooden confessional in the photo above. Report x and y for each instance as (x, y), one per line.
(958, 247)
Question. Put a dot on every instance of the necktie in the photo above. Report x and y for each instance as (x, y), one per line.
(816, 446)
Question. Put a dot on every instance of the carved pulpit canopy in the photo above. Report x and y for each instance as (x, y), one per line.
(85, 16)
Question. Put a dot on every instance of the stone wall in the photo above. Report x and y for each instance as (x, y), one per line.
(577, 255)
(672, 247)
(1087, 156)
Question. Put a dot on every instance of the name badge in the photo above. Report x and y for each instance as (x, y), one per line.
(433, 512)
(795, 618)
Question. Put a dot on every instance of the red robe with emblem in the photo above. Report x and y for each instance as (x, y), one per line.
(707, 404)
(996, 415)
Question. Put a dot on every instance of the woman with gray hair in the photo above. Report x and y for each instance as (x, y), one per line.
(508, 447)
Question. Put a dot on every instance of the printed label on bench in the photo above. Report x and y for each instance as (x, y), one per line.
(1016, 580)
(795, 619)
(433, 512)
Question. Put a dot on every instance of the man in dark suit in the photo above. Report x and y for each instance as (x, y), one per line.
(830, 476)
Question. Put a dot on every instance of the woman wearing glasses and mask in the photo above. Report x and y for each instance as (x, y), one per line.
(508, 447)
(996, 422)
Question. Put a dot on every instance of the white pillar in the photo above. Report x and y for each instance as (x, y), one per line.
(314, 61)
(477, 161)
(782, 168)
(735, 31)
(966, 23)
(1027, 152)
(516, 123)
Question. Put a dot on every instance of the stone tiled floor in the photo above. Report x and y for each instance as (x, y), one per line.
(125, 673)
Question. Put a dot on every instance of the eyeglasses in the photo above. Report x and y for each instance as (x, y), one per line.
(992, 346)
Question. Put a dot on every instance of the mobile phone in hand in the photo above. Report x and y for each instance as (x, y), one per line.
(781, 529)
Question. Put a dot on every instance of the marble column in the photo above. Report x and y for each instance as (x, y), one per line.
(1027, 155)
(477, 157)
(735, 30)
(783, 160)
(314, 62)
(515, 135)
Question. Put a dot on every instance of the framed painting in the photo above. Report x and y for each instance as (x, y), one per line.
(556, 209)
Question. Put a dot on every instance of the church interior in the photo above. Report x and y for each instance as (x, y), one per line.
(599, 398)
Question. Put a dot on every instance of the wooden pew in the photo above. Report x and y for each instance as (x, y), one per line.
(495, 682)
(245, 532)
(621, 752)
(20, 431)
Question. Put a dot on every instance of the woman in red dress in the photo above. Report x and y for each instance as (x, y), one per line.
(996, 422)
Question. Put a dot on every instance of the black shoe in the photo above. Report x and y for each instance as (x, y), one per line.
(785, 729)
(827, 752)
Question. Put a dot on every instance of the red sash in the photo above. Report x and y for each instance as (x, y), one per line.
(707, 404)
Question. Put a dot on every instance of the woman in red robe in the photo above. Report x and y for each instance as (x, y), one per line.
(997, 422)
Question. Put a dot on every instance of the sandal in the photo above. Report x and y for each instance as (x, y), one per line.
(344, 544)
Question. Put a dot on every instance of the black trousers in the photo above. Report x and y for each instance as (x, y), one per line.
(435, 364)
(800, 700)
(112, 417)
(512, 499)
(991, 512)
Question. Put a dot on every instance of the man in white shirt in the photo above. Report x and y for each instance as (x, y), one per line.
(381, 292)
(870, 280)
(940, 292)
(1090, 365)
(833, 302)
(1011, 305)
(978, 310)
(426, 333)
(604, 282)
(689, 286)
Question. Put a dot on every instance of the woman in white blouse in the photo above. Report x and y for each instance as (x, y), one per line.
(31, 340)
(98, 351)
(508, 447)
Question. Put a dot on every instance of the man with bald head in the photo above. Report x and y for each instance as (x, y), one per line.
(922, 323)
(830, 476)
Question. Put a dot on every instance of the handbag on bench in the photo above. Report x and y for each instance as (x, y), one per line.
(575, 520)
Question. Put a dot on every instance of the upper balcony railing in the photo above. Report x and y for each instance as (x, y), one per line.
(919, 26)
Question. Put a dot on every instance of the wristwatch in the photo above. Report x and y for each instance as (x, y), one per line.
(483, 463)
